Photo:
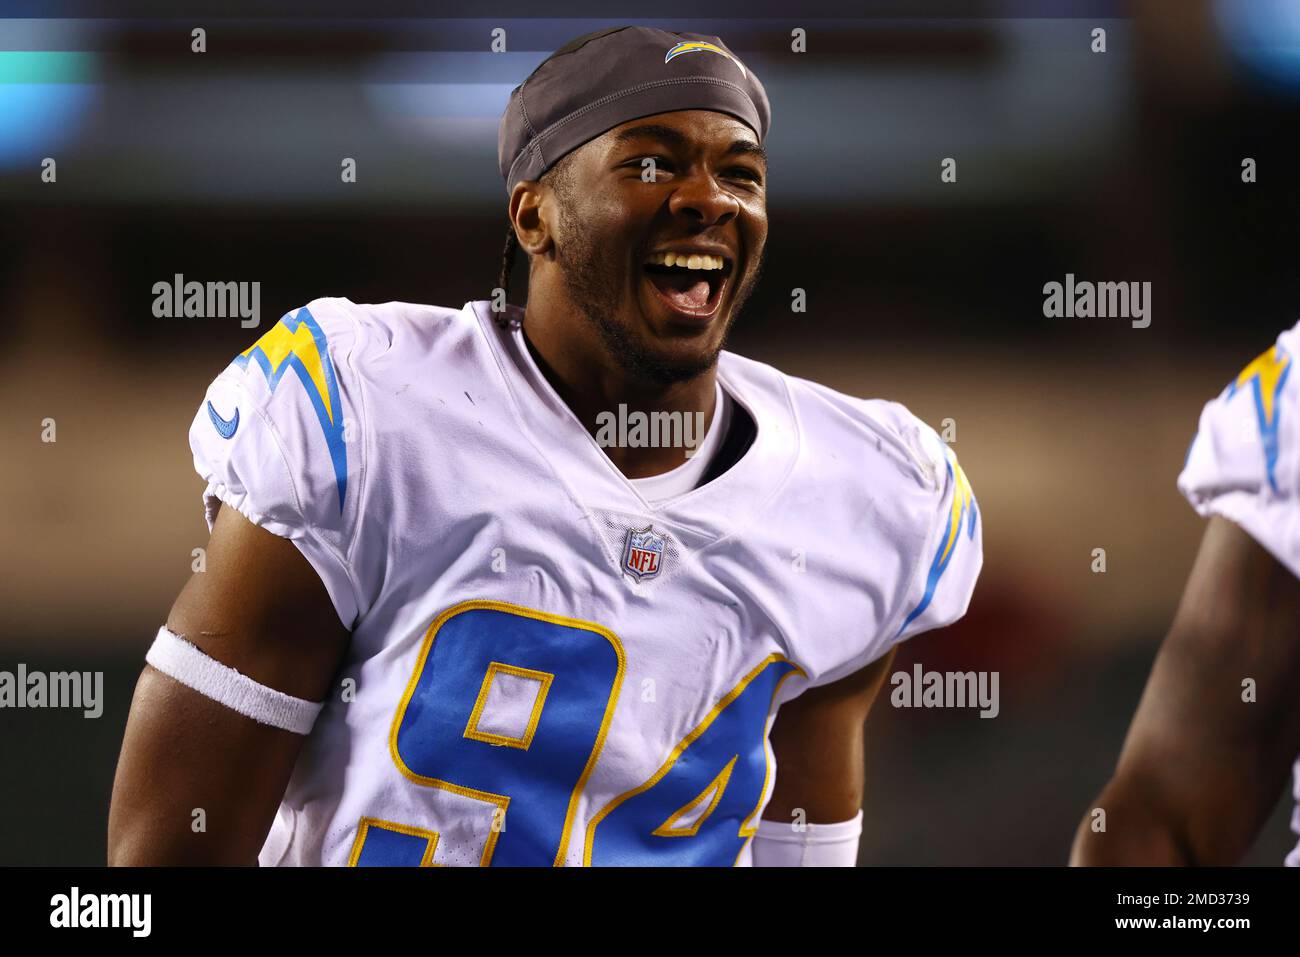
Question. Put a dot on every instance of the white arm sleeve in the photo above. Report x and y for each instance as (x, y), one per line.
(818, 845)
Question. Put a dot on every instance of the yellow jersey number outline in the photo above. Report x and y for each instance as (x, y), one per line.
(502, 801)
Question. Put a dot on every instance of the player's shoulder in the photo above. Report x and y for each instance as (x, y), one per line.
(395, 320)
(298, 398)
(391, 331)
(900, 477)
(337, 335)
(1266, 378)
(1244, 462)
(880, 431)
(285, 432)
(1265, 382)
(1247, 437)
(880, 497)
(872, 442)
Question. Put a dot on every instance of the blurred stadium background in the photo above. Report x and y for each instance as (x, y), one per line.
(1122, 166)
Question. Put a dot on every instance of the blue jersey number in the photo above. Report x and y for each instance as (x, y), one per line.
(561, 678)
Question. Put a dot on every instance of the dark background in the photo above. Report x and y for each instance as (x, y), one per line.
(224, 166)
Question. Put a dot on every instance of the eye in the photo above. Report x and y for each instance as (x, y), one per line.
(660, 162)
(746, 173)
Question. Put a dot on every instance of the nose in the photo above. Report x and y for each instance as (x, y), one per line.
(699, 197)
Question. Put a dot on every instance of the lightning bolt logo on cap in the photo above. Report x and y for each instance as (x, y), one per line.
(702, 46)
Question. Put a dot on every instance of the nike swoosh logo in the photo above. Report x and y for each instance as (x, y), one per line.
(225, 427)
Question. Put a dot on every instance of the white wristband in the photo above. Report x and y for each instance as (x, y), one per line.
(174, 656)
(818, 845)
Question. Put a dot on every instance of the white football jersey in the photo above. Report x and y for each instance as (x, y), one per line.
(544, 667)
(1244, 465)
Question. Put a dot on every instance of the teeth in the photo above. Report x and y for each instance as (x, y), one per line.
(692, 261)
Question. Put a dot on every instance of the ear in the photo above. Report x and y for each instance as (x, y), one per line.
(532, 213)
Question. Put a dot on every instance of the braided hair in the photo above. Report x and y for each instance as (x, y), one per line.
(507, 264)
(559, 178)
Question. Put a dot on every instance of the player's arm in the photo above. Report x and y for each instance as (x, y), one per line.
(1202, 768)
(818, 741)
(261, 609)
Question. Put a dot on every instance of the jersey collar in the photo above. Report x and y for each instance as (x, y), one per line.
(715, 510)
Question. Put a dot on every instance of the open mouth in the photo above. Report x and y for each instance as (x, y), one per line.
(691, 286)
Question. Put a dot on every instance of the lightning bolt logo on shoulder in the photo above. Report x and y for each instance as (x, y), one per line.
(961, 514)
(1268, 374)
(297, 342)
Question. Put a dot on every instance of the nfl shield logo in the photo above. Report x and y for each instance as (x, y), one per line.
(644, 554)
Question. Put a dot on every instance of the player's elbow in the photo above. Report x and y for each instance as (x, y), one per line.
(135, 844)
(132, 842)
(138, 837)
(128, 847)
(1125, 826)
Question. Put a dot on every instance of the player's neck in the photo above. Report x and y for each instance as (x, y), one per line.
(603, 399)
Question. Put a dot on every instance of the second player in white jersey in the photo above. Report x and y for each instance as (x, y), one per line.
(546, 667)
(1244, 465)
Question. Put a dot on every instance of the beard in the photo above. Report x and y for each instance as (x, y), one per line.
(594, 283)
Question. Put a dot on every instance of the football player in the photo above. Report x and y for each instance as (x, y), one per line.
(449, 618)
(1218, 726)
